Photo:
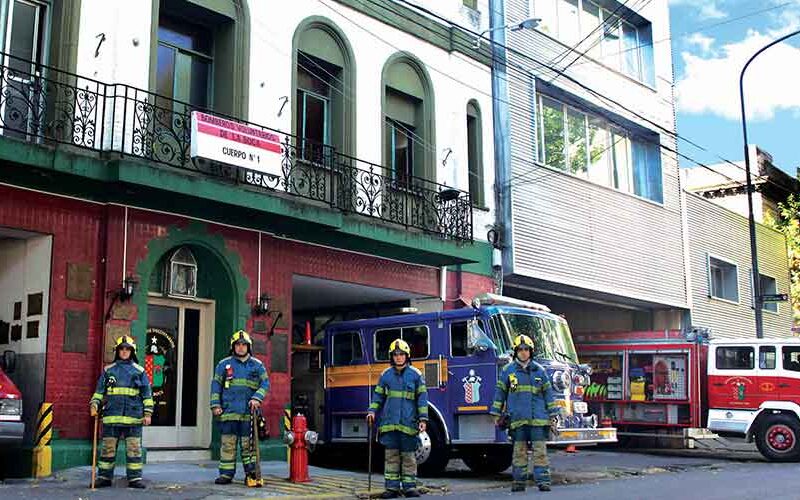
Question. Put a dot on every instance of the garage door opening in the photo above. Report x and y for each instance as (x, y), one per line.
(316, 303)
(25, 265)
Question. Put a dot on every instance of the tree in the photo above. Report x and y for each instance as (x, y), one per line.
(788, 223)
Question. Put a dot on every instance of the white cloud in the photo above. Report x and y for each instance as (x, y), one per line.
(706, 9)
(710, 83)
(711, 11)
(700, 40)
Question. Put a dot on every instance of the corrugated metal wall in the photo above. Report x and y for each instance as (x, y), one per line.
(724, 234)
(572, 231)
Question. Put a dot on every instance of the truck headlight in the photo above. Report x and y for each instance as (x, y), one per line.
(561, 380)
(11, 407)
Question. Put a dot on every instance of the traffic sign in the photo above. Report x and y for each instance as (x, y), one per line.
(775, 297)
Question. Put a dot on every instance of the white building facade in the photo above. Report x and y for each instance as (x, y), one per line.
(592, 192)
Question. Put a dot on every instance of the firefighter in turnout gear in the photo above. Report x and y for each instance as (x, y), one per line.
(124, 395)
(240, 384)
(402, 399)
(530, 407)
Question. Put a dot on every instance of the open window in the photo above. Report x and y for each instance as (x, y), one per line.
(409, 145)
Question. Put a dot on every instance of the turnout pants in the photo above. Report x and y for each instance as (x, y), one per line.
(537, 436)
(233, 432)
(400, 465)
(108, 451)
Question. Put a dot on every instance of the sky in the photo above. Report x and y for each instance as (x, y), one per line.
(711, 41)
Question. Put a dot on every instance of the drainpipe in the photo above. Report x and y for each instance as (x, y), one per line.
(443, 284)
(502, 148)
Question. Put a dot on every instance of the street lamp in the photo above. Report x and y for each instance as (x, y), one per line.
(757, 297)
(527, 24)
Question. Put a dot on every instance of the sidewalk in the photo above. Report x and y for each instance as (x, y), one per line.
(194, 480)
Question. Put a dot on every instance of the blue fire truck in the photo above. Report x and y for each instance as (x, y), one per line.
(460, 353)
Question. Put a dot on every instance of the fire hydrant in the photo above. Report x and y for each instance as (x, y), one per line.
(300, 441)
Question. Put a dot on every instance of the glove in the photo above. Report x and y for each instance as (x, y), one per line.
(502, 422)
(93, 410)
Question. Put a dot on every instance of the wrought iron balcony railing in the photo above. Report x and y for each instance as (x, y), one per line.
(45, 105)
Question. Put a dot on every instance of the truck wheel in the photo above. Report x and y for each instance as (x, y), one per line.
(489, 462)
(440, 455)
(777, 438)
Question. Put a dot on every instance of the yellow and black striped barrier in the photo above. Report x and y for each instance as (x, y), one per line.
(287, 426)
(42, 452)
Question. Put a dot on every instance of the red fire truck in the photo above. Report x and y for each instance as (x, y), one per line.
(11, 426)
(754, 390)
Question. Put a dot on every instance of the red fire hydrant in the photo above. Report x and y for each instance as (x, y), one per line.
(300, 440)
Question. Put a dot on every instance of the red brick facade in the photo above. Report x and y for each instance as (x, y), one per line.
(94, 234)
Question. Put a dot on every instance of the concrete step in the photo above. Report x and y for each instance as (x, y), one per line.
(155, 455)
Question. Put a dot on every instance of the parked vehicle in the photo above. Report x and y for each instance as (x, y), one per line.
(754, 390)
(12, 429)
(460, 353)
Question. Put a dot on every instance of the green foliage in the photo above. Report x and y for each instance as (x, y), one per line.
(788, 222)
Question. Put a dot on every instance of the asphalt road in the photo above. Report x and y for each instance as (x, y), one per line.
(595, 474)
(731, 481)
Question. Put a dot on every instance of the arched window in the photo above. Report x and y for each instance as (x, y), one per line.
(475, 154)
(323, 87)
(409, 148)
(182, 273)
(202, 54)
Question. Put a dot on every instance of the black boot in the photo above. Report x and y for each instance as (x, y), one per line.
(544, 487)
(102, 482)
(223, 480)
(390, 494)
(413, 492)
(517, 487)
(138, 484)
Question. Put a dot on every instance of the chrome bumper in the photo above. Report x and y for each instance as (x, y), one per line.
(583, 436)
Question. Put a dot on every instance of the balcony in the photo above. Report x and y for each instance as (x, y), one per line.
(44, 105)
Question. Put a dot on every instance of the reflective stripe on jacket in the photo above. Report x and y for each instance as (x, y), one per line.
(232, 390)
(526, 393)
(127, 392)
(402, 398)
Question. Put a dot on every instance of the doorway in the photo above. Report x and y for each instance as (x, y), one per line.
(177, 357)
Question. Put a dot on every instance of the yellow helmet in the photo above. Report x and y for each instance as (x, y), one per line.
(241, 336)
(126, 341)
(522, 341)
(399, 345)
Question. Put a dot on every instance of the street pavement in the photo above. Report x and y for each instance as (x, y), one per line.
(601, 474)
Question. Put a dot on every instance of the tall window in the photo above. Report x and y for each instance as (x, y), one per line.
(592, 148)
(185, 61)
(614, 35)
(24, 41)
(475, 154)
(723, 279)
(324, 90)
(408, 120)
(313, 104)
(202, 55)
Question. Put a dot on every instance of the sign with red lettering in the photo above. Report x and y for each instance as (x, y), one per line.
(234, 143)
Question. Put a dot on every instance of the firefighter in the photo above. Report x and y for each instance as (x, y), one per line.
(127, 405)
(402, 398)
(524, 388)
(240, 385)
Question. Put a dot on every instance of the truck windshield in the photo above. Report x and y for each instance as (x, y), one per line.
(551, 337)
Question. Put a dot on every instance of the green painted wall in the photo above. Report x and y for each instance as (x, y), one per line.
(140, 184)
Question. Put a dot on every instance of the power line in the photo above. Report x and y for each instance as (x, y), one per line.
(599, 40)
(699, 29)
(564, 54)
(525, 56)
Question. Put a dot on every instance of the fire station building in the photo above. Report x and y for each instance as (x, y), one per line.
(178, 170)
